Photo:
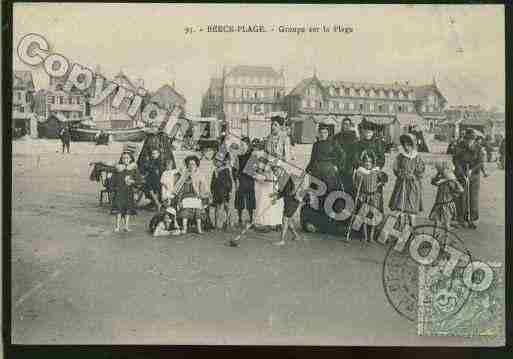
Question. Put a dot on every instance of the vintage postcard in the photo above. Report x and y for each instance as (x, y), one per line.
(257, 174)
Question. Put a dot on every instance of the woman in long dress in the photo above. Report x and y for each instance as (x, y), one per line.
(408, 169)
(269, 214)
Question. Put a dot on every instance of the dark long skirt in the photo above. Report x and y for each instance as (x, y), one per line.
(463, 200)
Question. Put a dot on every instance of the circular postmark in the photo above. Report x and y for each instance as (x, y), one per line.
(426, 268)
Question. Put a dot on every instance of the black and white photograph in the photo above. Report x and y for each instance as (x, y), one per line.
(257, 174)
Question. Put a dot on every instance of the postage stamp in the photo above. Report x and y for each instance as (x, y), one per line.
(402, 271)
(480, 315)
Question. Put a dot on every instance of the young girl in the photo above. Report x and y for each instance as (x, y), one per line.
(368, 182)
(408, 168)
(449, 189)
(125, 178)
(168, 180)
(221, 188)
(193, 191)
(290, 206)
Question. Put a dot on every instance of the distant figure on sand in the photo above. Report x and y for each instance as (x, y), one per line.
(65, 136)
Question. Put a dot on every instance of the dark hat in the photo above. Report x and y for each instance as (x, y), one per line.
(347, 119)
(246, 140)
(469, 134)
(408, 138)
(278, 119)
(257, 144)
(323, 126)
(367, 125)
(192, 158)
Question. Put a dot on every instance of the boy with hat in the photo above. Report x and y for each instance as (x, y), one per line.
(245, 194)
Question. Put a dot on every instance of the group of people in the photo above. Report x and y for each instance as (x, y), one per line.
(343, 162)
(183, 196)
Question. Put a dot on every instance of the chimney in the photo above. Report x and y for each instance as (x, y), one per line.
(173, 85)
(98, 70)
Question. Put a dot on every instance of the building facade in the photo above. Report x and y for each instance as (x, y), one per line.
(54, 100)
(212, 100)
(24, 121)
(431, 105)
(460, 118)
(168, 98)
(244, 91)
(105, 116)
(391, 106)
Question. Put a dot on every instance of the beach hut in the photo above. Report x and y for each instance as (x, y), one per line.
(304, 130)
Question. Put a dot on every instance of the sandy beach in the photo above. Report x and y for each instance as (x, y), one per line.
(77, 282)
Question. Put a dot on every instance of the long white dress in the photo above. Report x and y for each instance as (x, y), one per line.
(267, 214)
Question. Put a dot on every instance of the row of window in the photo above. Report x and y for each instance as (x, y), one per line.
(242, 80)
(238, 108)
(351, 92)
(362, 107)
(20, 108)
(21, 95)
(253, 93)
(431, 108)
(63, 100)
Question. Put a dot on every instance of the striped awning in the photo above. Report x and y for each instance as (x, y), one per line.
(410, 119)
(380, 120)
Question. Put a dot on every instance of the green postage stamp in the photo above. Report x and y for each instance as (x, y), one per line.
(479, 313)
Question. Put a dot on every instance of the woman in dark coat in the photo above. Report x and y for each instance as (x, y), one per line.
(468, 161)
(347, 140)
(368, 143)
(327, 160)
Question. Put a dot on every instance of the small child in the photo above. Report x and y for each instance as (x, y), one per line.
(167, 224)
(368, 183)
(444, 209)
(408, 168)
(124, 180)
(221, 188)
(291, 204)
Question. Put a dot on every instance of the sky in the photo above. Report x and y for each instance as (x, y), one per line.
(462, 47)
